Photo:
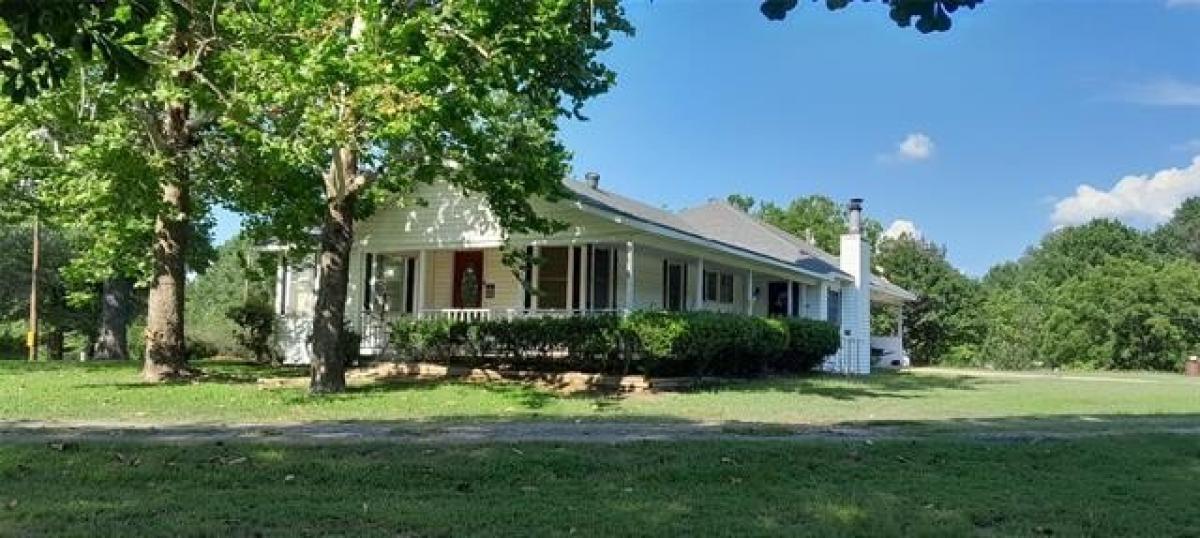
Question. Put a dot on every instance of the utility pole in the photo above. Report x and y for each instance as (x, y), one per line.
(32, 338)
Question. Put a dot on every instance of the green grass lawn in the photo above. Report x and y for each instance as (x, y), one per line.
(917, 484)
(1129, 486)
(229, 393)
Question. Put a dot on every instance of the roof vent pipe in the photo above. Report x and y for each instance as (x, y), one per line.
(592, 179)
(856, 215)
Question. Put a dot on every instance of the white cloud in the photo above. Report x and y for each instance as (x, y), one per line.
(915, 147)
(1138, 200)
(900, 228)
(1164, 92)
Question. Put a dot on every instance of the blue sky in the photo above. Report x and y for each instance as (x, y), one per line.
(1007, 115)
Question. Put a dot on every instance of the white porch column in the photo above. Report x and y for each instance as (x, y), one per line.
(629, 293)
(533, 279)
(822, 301)
(791, 299)
(699, 301)
(422, 271)
(750, 300)
(570, 278)
(281, 287)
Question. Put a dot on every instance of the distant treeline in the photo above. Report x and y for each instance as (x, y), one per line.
(1099, 295)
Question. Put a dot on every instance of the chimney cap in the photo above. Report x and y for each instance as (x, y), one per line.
(592, 179)
(856, 215)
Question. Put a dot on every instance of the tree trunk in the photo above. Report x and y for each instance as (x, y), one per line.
(166, 348)
(116, 308)
(55, 344)
(337, 235)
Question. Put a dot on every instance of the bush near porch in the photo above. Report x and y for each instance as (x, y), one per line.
(649, 343)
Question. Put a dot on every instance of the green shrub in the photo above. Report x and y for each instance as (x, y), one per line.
(705, 343)
(200, 349)
(255, 329)
(351, 346)
(651, 343)
(589, 343)
(809, 342)
(425, 340)
(137, 339)
(12, 340)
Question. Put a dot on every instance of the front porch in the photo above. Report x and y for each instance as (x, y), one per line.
(568, 280)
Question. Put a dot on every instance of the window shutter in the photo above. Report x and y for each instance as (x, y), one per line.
(410, 284)
(574, 303)
(368, 278)
(528, 277)
(284, 288)
(613, 279)
(683, 293)
(666, 285)
(589, 278)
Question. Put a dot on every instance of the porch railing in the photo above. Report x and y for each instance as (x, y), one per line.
(485, 314)
(850, 352)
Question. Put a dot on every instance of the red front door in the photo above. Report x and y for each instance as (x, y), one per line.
(468, 279)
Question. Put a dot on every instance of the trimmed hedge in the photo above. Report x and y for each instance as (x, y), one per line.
(650, 343)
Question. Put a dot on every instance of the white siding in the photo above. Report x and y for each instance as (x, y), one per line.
(441, 276)
(448, 219)
(440, 217)
(647, 279)
(509, 292)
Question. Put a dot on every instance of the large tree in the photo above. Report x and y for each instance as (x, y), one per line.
(1049, 308)
(135, 147)
(361, 100)
(943, 321)
(1180, 236)
(1067, 252)
(57, 314)
(241, 274)
(44, 39)
(64, 153)
(1125, 314)
(42, 36)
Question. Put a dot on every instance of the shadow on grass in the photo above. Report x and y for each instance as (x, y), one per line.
(22, 367)
(526, 396)
(211, 371)
(643, 489)
(900, 385)
(495, 428)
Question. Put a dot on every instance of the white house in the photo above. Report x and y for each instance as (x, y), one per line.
(442, 258)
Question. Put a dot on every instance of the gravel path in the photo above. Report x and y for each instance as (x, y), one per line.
(511, 432)
(407, 432)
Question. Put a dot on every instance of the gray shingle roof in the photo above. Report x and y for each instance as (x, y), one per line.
(722, 223)
(729, 224)
(603, 199)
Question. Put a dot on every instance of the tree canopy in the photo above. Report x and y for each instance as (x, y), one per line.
(1181, 235)
(1099, 295)
(816, 218)
(944, 320)
(353, 103)
(929, 15)
(40, 40)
